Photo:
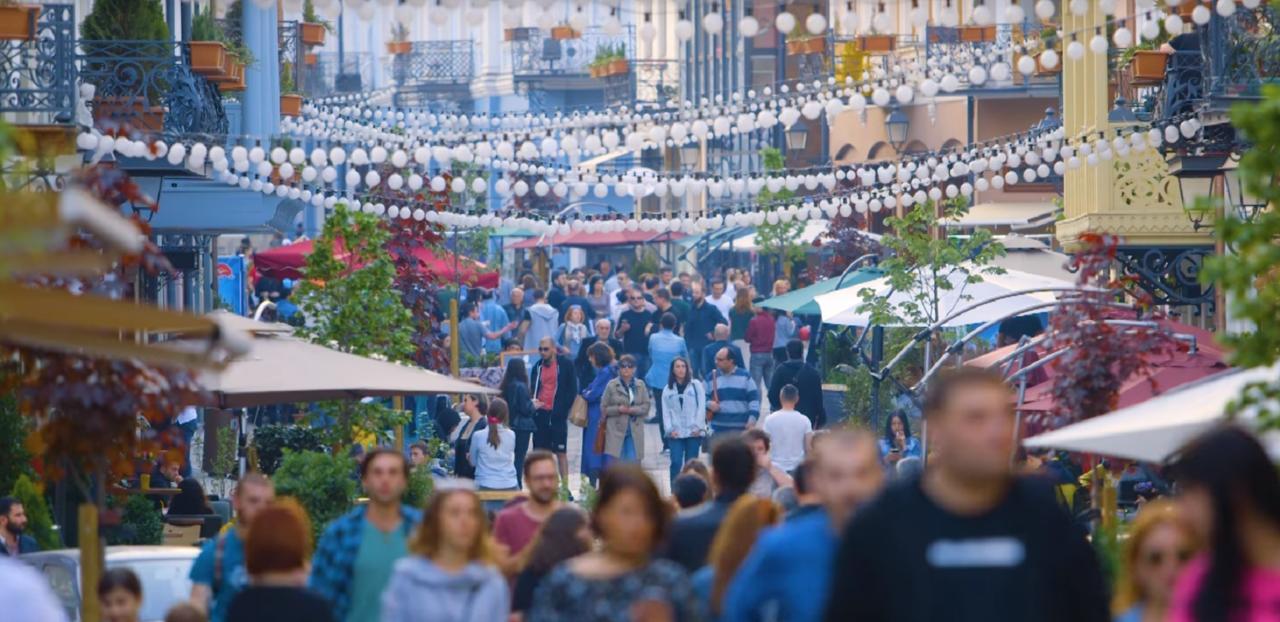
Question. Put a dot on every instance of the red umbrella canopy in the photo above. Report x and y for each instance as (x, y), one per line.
(1166, 373)
(288, 262)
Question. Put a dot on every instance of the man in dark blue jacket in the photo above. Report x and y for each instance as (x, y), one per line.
(13, 520)
(700, 326)
(553, 383)
(733, 466)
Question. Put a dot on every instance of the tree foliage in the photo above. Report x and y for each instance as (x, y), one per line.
(140, 523)
(273, 440)
(355, 308)
(1249, 274)
(1100, 357)
(39, 520)
(125, 20)
(323, 484)
(778, 240)
(15, 458)
(926, 267)
(844, 242)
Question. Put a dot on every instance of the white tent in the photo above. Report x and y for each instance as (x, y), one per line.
(812, 230)
(1156, 429)
(842, 306)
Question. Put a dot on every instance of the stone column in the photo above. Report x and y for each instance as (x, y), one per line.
(262, 80)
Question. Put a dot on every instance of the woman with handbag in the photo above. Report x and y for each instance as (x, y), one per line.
(684, 414)
(593, 459)
(515, 391)
(625, 406)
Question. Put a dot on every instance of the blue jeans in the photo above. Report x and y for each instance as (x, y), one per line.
(628, 447)
(682, 451)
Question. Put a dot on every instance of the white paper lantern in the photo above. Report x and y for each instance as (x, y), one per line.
(785, 22)
(816, 23)
(749, 27)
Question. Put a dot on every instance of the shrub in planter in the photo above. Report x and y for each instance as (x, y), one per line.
(271, 442)
(140, 524)
(322, 483)
(39, 521)
(125, 20)
(419, 490)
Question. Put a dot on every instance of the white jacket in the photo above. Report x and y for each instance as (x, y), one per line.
(684, 413)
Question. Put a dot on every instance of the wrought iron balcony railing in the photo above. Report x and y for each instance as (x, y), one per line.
(147, 85)
(435, 62)
(536, 53)
(321, 78)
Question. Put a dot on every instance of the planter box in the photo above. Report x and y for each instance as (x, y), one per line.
(596, 71)
(291, 105)
(312, 34)
(617, 67)
(208, 58)
(812, 45)
(399, 47)
(977, 34)
(18, 22)
(111, 111)
(309, 58)
(564, 32)
(877, 43)
(1148, 66)
(234, 81)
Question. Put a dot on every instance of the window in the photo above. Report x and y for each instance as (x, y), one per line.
(764, 71)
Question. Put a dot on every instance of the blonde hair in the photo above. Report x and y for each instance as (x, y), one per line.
(1152, 515)
(426, 538)
(747, 517)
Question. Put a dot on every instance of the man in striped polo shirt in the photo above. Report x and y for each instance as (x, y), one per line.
(733, 399)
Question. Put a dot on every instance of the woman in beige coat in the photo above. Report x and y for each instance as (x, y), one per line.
(625, 406)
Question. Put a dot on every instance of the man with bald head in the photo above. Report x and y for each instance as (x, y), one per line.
(553, 384)
(720, 340)
(733, 398)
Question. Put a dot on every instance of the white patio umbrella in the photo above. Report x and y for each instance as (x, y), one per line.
(279, 368)
(842, 306)
(1156, 429)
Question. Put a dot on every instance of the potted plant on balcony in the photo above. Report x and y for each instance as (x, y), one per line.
(564, 31)
(290, 100)
(877, 44)
(208, 46)
(18, 21)
(104, 32)
(599, 62)
(312, 27)
(977, 34)
(618, 64)
(399, 43)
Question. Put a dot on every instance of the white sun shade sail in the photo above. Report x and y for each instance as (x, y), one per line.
(842, 307)
(1016, 216)
(1156, 429)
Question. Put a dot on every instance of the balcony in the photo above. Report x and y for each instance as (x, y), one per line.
(433, 74)
(143, 85)
(542, 63)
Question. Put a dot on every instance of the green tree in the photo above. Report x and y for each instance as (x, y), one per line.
(39, 521)
(926, 267)
(323, 484)
(15, 459)
(1249, 274)
(778, 240)
(355, 308)
(125, 20)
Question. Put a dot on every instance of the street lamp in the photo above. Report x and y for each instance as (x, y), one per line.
(896, 126)
(1197, 177)
(689, 154)
(798, 137)
(1245, 203)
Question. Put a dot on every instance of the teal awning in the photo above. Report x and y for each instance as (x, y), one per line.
(801, 301)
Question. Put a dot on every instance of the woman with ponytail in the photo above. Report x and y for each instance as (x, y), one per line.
(474, 408)
(495, 457)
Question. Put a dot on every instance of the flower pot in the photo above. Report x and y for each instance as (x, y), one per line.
(617, 67)
(399, 47)
(596, 71)
(977, 34)
(18, 22)
(136, 112)
(877, 43)
(814, 45)
(1148, 66)
(564, 32)
(309, 58)
(291, 105)
(312, 34)
(208, 58)
(234, 81)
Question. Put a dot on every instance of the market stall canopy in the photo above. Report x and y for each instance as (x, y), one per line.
(1032, 255)
(583, 239)
(1016, 216)
(288, 262)
(813, 229)
(801, 301)
(842, 307)
(1166, 374)
(249, 325)
(280, 368)
(1156, 429)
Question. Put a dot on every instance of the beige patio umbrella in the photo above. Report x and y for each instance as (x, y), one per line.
(279, 368)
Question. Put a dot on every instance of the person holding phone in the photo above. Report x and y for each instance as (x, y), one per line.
(898, 442)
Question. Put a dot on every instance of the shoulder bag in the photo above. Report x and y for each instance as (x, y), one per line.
(578, 412)
(715, 396)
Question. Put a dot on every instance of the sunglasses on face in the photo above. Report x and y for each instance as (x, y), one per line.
(626, 365)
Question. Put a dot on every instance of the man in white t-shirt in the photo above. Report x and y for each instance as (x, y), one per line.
(790, 432)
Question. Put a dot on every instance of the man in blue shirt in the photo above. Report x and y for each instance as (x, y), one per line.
(218, 572)
(664, 347)
(700, 326)
(788, 572)
(495, 318)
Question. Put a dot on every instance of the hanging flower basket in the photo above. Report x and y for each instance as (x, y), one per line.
(564, 32)
(977, 34)
(208, 58)
(399, 47)
(291, 105)
(1149, 66)
(18, 21)
(312, 34)
(877, 43)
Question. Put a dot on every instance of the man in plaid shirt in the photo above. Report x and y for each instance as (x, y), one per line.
(356, 555)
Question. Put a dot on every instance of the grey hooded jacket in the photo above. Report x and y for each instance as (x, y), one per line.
(419, 591)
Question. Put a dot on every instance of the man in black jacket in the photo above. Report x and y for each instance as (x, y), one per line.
(733, 466)
(553, 383)
(582, 364)
(806, 378)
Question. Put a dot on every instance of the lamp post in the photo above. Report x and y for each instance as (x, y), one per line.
(897, 125)
(798, 137)
(1198, 180)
